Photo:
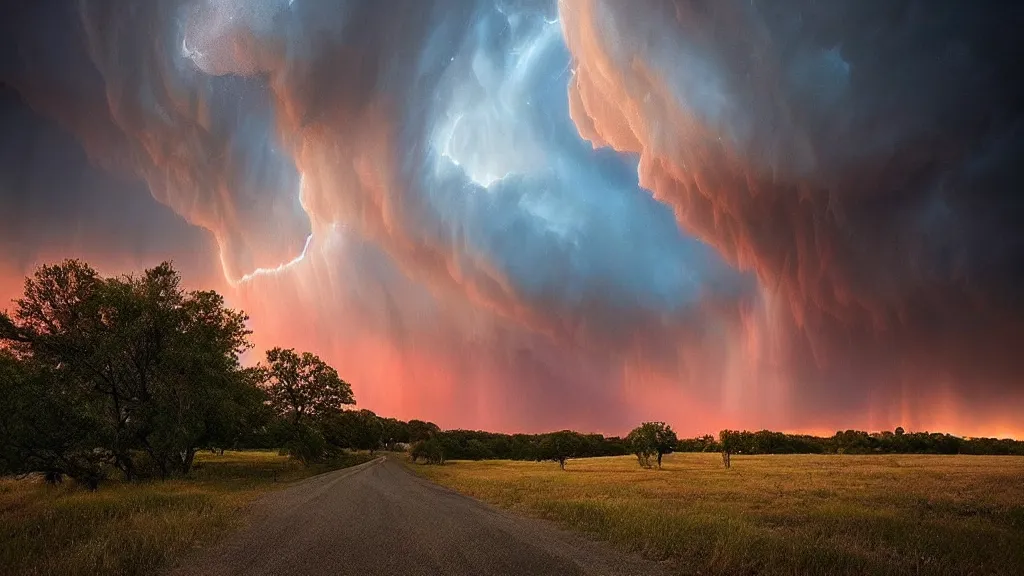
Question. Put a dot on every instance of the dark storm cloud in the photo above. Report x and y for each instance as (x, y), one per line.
(860, 157)
(204, 146)
(54, 203)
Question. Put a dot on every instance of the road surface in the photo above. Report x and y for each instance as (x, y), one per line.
(379, 519)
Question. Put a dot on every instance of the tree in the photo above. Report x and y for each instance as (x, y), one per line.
(430, 450)
(652, 439)
(728, 439)
(559, 446)
(705, 443)
(368, 431)
(477, 450)
(664, 440)
(307, 393)
(394, 432)
(354, 429)
(420, 430)
(44, 430)
(900, 431)
(196, 394)
(418, 450)
(301, 387)
(641, 443)
(151, 364)
(244, 418)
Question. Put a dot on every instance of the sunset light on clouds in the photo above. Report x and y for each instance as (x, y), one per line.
(527, 215)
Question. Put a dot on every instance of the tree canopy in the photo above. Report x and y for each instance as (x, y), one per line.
(560, 446)
(652, 439)
(302, 386)
(310, 396)
(140, 365)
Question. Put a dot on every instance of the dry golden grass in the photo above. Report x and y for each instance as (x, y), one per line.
(801, 514)
(134, 528)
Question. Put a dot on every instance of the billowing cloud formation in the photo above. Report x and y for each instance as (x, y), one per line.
(442, 198)
(858, 158)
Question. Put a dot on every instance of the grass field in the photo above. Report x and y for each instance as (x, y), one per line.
(804, 514)
(135, 528)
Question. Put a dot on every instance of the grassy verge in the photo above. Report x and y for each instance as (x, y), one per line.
(136, 528)
(778, 514)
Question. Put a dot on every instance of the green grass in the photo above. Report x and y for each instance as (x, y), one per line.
(892, 514)
(136, 528)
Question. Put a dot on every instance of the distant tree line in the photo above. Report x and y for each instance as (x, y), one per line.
(478, 445)
(648, 442)
(652, 440)
(851, 442)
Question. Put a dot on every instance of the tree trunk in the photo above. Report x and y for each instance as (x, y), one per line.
(659, 459)
(186, 462)
(125, 464)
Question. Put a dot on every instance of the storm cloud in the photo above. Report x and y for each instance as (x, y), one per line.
(533, 215)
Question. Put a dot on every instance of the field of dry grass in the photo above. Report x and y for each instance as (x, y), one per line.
(135, 528)
(799, 514)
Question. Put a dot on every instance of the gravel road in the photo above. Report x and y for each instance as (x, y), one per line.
(380, 519)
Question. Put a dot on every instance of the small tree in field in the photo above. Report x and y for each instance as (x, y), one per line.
(728, 440)
(665, 440)
(641, 442)
(559, 446)
(652, 439)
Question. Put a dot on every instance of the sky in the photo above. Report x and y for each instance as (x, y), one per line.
(530, 215)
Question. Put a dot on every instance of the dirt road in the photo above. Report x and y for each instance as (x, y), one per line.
(379, 519)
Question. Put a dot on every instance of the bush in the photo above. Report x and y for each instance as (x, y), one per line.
(307, 445)
(429, 450)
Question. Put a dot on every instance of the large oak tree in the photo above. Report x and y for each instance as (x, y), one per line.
(153, 369)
